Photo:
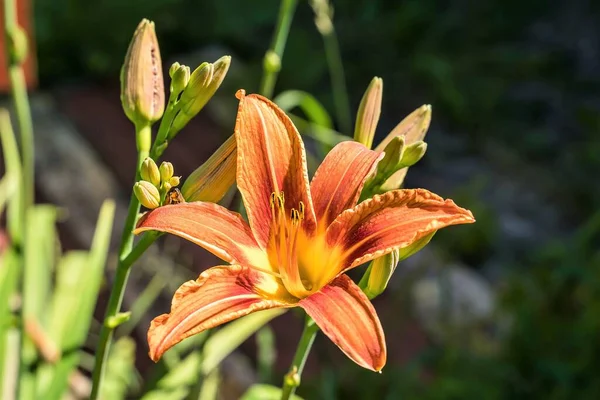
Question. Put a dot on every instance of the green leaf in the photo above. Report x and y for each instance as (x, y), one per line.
(228, 338)
(9, 273)
(8, 187)
(265, 392)
(266, 353)
(39, 257)
(12, 165)
(312, 108)
(78, 279)
(120, 370)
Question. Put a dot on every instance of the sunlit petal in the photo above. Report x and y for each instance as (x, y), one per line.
(339, 180)
(347, 317)
(396, 219)
(271, 159)
(219, 295)
(218, 230)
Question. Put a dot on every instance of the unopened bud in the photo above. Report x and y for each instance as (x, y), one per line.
(368, 113)
(147, 194)
(378, 274)
(149, 171)
(413, 127)
(166, 171)
(202, 85)
(174, 67)
(174, 181)
(180, 79)
(413, 153)
(211, 181)
(142, 90)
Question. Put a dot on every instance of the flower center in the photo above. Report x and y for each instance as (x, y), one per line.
(282, 245)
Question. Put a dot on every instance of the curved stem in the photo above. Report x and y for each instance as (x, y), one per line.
(338, 81)
(292, 379)
(272, 61)
(127, 256)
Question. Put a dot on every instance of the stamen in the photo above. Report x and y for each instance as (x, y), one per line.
(272, 201)
(301, 209)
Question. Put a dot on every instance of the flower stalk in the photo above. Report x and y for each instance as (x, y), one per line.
(292, 379)
(273, 56)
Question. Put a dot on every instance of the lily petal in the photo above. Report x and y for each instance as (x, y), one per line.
(339, 179)
(396, 219)
(219, 295)
(347, 317)
(271, 158)
(215, 228)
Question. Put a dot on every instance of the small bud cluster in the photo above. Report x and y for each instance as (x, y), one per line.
(403, 146)
(158, 185)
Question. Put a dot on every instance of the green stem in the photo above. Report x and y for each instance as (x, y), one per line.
(161, 143)
(15, 54)
(338, 80)
(127, 256)
(292, 379)
(273, 56)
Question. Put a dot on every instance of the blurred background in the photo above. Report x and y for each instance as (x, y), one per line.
(506, 308)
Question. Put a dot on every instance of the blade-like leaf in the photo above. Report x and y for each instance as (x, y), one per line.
(228, 338)
(265, 392)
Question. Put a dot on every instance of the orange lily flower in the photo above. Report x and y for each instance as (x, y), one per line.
(299, 240)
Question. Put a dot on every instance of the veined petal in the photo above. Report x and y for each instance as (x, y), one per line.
(219, 295)
(339, 179)
(271, 158)
(396, 219)
(347, 317)
(215, 228)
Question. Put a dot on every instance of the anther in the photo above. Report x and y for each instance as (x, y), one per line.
(301, 209)
(272, 200)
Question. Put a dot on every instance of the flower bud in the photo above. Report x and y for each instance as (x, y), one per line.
(211, 181)
(174, 67)
(378, 274)
(272, 61)
(368, 113)
(166, 171)
(142, 91)
(174, 181)
(413, 153)
(413, 127)
(180, 79)
(149, 171)
(147, 194)
(166, 186)
(202, 85)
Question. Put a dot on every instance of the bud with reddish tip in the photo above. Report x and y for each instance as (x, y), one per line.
(142, 90)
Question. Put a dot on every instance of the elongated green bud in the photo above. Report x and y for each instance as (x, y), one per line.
(378, 274)
(202, 85)
(413, 127)
(166, 171)
(368, 113)
(142, 90)
(149, 171)
(147, 194)
(212, 180)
